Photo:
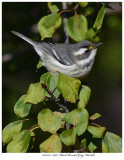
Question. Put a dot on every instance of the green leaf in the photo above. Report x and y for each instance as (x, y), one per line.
(51, 80)
(82, 4)
(32, 134)
(84, 96)
(89, 11)
(10, 130)
(39, 65)
(49, 121)
(111, 143)
(22, 109)
(97, 132)
(20, 142)
(51, 145)
(82, 123)
(76, 27)
(79, 118)
(35, 94)
(91, 147)
(83, 143)
(48, 25)
(95, 116)
(99, 18)
(68, 137)
(68, 87)
(59, 114)
(72, 117)
(91, 35)
(53, 8)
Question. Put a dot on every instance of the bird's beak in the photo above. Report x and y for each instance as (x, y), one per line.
(98, 44)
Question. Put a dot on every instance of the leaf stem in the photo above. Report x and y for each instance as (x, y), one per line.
(96, 124)
(66, 10)
(25, 120)
(49, 76)
(34, 126)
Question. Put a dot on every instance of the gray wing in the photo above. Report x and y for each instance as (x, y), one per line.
(63, 53)
(58, 51)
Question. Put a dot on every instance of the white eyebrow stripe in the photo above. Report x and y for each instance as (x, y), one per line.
(80, 52)
(55, 53)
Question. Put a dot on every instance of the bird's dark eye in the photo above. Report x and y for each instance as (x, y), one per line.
(87, 51)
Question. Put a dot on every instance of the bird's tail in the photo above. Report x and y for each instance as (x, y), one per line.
(24, 37)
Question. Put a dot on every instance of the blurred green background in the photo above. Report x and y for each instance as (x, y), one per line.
(19, 60)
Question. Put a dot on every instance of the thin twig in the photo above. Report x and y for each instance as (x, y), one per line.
(76, 7)
(95, 124)
(25, 120)
(34, 128)
(63, 107)
(107, 5)
(67, 10)
(64, 6)
(53, 98)
(36, 125)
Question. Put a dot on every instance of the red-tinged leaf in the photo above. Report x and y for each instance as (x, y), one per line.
(77, 27)
(10, 130)
(79, 118)
(111, 143)
(68, 137)
(68, 87)
(48, 25)
(51, 145)
(48, 121)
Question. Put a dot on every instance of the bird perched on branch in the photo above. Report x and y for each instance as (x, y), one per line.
(74, 60)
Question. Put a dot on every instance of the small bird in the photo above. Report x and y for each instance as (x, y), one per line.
(74, 60)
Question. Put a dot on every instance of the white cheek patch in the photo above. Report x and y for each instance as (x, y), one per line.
(80, 52)
(84, 61)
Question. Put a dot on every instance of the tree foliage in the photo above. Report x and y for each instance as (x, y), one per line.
(64, 125)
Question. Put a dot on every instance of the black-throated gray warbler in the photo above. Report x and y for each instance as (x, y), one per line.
(74, 60)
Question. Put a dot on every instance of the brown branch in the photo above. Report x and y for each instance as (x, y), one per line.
(53, 98)
(67, 10)
(76, 7)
